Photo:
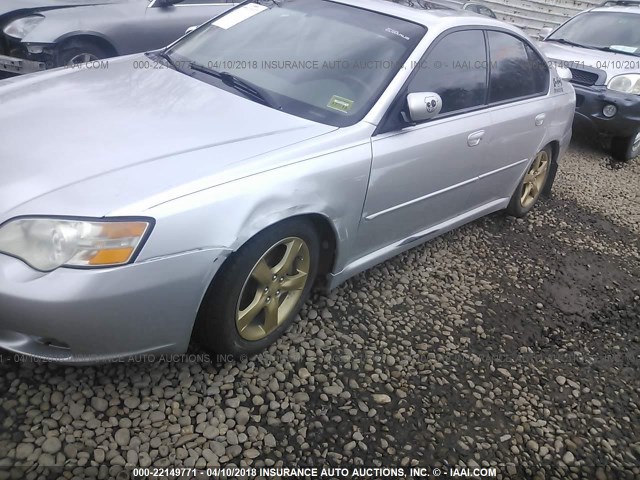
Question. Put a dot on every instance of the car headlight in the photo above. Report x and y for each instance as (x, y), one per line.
(628, 83)
(21, 27)
(49, 243)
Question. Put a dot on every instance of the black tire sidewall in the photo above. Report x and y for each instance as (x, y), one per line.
(622, 148)
(77, 48)
(515, 208)
(216, 324)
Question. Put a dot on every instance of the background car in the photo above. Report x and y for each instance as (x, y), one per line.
(475, 7)
(278, 144)
(479, 8)
(601, 47)
(39, 34)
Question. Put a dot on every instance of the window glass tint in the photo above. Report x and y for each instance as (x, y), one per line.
(456, 69)
(604, 30)
(324, 61)
(540, 70)
(516, 70)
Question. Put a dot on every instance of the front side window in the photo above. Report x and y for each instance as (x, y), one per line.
(324, 61)
(517, 71)
(456, 69)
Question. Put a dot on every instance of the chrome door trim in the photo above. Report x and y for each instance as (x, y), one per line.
(444, 190)
(420, 199)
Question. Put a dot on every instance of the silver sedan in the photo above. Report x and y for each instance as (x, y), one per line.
(280, 145)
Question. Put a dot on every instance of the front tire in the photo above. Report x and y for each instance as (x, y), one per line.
(259, 290)
(77, 52)
(532, 184)
(626, 148)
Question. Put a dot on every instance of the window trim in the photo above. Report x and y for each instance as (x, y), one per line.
(386, 125)
(544, 92)
(401, 97)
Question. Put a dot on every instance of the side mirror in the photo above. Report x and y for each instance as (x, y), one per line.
(191, 29)
(544, 32)
(564, 73)
(423, 105)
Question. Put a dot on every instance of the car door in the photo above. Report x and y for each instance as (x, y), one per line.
(421, 175)
(520, 105)
(166, 23)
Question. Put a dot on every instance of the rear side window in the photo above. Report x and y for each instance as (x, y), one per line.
(456, 69)
(516, 69)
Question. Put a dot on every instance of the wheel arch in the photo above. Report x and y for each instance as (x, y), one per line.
(553, 168)
(327, 235)
(94, 37)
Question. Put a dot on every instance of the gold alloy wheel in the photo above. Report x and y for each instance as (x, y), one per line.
(534, 180)
(273, 288)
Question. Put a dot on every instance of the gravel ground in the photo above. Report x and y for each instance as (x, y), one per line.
(508, 343)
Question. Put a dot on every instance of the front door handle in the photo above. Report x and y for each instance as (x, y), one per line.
(540, 119)
(474, 138)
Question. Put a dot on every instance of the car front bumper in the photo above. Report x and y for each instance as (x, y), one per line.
(20, 66)
(590, 101)
(91, 316)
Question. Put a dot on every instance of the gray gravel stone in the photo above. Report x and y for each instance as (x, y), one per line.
(24, 450)
(122, 437)
(381, 398)
(288, 417)
(99, 404)
(51, 445)
(131, 402)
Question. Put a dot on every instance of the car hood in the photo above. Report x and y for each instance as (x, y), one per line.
(89, 141)
(8, 6)
(576, 57)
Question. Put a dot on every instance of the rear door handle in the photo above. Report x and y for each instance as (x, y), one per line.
(540, 119)
(474, 139)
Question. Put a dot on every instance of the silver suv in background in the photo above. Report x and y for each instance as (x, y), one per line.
(601, 47)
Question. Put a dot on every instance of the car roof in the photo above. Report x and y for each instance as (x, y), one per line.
(445, 16)
(626, 6)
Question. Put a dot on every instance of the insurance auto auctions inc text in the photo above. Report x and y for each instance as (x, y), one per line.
(355, 472)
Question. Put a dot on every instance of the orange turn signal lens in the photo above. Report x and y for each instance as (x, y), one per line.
(114, 256)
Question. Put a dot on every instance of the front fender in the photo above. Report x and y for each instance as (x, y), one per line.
(100, 21)
(52, 32)
(226, 216)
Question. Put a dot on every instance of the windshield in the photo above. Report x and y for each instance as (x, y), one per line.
(619, 32)
(316, 59)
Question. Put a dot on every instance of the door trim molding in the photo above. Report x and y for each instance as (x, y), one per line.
(444, 190)
(420, 199)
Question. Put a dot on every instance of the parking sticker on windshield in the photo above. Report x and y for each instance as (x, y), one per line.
(340, 103)
(623, 48)
(239, 15)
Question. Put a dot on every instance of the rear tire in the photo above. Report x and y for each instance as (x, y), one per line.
(532, 184)
(626, 148)
(259, 290)
(77, 52)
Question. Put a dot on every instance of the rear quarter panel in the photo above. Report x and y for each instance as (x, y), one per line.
(560, 121)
